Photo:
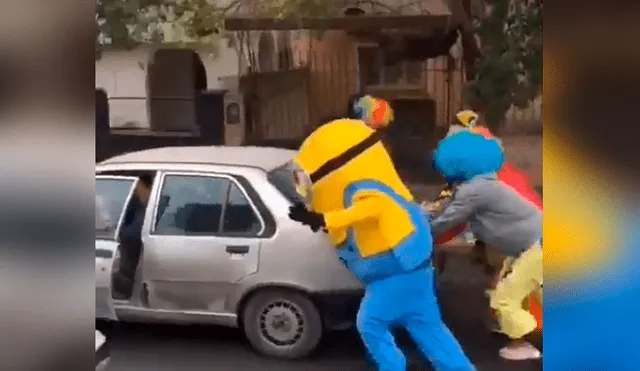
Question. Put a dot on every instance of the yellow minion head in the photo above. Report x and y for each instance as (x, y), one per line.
(466, 118)
(340, 153)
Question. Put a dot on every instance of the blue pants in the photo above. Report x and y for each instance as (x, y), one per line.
(368, 357)
(408, 300)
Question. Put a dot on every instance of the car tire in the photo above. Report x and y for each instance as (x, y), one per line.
(282, 323)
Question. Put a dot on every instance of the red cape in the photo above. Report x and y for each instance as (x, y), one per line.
(519, 181)
(513, 177)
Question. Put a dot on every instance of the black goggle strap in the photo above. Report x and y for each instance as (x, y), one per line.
(343, 158)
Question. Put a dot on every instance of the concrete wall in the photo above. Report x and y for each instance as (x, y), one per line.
(123, 74)
(524, 119)
(525, 151)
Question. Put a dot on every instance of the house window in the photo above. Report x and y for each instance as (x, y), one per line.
(373, 72)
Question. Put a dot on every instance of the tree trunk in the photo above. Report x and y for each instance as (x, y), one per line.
(470, 48)
(471, 53)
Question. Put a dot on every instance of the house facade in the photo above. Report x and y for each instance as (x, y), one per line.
(282, 80)
(123, 75)
(333, 58)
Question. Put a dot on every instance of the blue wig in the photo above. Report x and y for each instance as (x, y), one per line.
(465, 155)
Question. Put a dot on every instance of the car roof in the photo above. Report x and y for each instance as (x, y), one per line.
(265, 158)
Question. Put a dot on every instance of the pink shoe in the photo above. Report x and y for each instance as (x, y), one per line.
(522, 352)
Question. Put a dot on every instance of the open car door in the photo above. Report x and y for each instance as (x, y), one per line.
(113, 194)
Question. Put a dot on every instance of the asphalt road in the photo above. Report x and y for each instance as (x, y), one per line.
(172, 348)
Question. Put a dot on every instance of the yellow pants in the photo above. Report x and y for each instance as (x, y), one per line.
(521, 277)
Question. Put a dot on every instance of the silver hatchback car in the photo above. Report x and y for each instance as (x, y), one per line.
(201, 235)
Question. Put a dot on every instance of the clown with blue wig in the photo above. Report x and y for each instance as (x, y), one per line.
(498, 215)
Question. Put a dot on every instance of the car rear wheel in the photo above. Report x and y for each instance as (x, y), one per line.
(282, 323)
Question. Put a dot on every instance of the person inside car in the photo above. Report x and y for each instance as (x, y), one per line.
(130, 238)
(133, 229)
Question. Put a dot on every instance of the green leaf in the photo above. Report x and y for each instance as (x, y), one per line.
(187, 23)
(509, 73)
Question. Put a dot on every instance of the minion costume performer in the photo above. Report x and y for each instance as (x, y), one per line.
(503, 219)
(377, 114)
(352, 190)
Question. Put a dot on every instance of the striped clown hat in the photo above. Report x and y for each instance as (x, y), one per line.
(375, 112)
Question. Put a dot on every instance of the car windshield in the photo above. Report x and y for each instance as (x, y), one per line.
(280, 177)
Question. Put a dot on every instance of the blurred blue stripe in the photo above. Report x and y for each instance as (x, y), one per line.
(592, 324)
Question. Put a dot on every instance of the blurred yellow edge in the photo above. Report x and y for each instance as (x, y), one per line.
(582, 230)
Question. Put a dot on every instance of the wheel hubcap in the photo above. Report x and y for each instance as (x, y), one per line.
(281, 323)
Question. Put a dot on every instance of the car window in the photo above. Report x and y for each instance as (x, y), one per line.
(104, 221)
(281, 179)
(191, 205)
(111, 198)
(239, 216)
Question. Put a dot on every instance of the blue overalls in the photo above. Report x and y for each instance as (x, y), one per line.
(400, 291)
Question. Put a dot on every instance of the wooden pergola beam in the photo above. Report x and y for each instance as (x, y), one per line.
(352, 23)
